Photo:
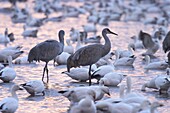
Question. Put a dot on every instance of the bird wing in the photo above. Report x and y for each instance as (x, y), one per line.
(88, 55)
(146, 39)
(166, 43)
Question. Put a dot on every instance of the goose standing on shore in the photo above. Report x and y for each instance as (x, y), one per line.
(90, 54)
(46, 51)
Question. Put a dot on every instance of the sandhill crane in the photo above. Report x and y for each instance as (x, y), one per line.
(46, 51)
(166, 43)
(90, 54)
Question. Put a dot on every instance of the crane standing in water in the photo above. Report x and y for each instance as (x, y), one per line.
(46, 51)
(90, 54)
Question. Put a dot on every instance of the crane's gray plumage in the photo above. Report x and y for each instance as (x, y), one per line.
(146, 39)
(90, 54)
(166, 43)
(46, 51)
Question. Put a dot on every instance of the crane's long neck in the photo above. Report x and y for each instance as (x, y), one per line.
(107, 45)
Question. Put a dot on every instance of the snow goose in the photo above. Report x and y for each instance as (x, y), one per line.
(159, 65)
(90, 28)
(29, 32)
(74, 95)
(160, 82)
(8, 73)
(102, 70)
(132, 97)
(9, 52)
(126, 53)
(137, 44)
(10, 104)
(22, 60)
(107, 107)
(69, 48)
(125, 61)
(1, 66)
(34, 87)
(112, 79)
(80, 74)
(78, 93)
(105, 60)
(62, 58)
(4, 38)
(86, 105)
(34, 22)
(152, 108)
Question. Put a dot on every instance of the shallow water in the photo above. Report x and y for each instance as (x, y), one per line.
(54, 102)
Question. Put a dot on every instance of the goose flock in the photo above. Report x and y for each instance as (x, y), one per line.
(116, 58)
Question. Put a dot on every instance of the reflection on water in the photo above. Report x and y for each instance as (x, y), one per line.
(54, 102)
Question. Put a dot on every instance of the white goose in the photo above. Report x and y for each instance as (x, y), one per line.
(10, 104)
(137, 44)
(69, 48)
(152, 108)
(80, 74)
(102, 70)
(112, 79)
(159, 65)
(86, 105)
(160, 82)
(4, 38)
(22, 60)
(125, 61)
(9, 52)
(8, 73)
(94, 92)
(34, 87)
(90, 28)
(62, 58)
(126, 53)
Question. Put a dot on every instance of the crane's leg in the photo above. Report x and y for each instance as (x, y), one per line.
(47, 74)
(45, 69)
(90, 75)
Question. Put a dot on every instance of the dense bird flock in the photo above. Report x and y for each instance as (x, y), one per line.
(88, 59)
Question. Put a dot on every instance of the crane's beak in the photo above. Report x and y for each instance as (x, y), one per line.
(113, 33)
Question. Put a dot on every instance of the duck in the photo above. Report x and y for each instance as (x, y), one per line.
(62, 58)
(69, 48)
(112, 79)
(34, 87)
(85, 105)
(10, 104)
(81, 74)
(159, 65)
(125, 61)
(8, 73)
